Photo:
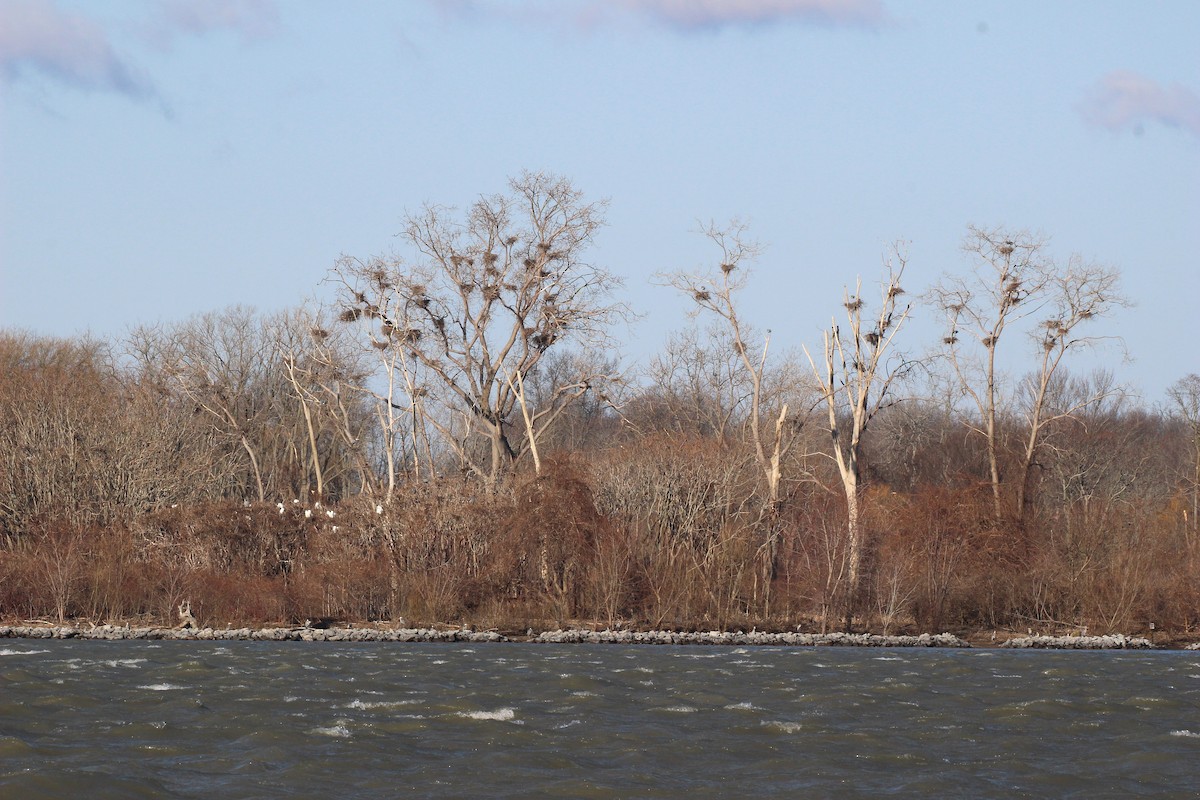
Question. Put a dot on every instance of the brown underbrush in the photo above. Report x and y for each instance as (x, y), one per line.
(636, 539)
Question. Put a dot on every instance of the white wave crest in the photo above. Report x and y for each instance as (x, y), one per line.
(7, 652)
(124, 662)
(160, 687)
(742, 707)
(500, 714)
(680, 709)
(339, 730)
(1186, 734)
(785, 727)
(369, 704)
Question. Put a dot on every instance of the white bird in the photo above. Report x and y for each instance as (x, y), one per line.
(378, 509)
(307, 513)
(329, 513)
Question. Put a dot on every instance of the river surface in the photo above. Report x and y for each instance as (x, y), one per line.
(258, 719)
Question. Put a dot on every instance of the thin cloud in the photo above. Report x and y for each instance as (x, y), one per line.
(684, 16)
(175, 19)
(1125, 101)
(36, 37)
(688, 15)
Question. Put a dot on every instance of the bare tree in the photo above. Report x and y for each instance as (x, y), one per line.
(326, 372)
(769, 428)
(1013, 279)
(86, 440)
(291, 342)
(857, 376)
(396, 387)
(742, 378)
(1098, 459)
(220, 361)
(1185, 394)
(230, 366)
(1078, 293)
(593, 418)
(483, 301)
(1008, 279)
(701, 382)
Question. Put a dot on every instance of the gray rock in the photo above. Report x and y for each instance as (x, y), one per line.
(1111, 642)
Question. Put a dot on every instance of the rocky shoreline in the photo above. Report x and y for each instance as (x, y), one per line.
(1115, 641)
(565, 636)
(583, 636)
(122, 632)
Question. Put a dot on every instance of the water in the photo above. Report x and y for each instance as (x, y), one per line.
(257, 719)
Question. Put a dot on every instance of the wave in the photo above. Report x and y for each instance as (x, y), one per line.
(500, 715)
(742, 707)
(339, 730)
(369, 704)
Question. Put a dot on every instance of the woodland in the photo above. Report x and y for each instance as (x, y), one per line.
(449, 438)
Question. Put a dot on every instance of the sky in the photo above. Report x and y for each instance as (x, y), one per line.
(162, 158)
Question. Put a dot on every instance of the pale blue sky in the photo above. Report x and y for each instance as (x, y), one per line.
(161, 158)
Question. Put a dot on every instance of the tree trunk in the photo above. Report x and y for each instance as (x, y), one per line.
(503, 456)
(262, 493)
(994, 464)
(312, 442)
(992, 447)
(854, 545)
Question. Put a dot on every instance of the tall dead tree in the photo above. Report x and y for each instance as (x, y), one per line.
(1078, 293)
(742, 383)
(1185, 396)
(769, 428)
(857, 376)
(396, 387)
(482, 301)
(1013, 279)
(1007, 283)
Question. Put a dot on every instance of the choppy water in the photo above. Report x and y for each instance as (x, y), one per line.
(247, 719)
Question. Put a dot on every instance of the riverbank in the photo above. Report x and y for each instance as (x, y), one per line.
(573, 636)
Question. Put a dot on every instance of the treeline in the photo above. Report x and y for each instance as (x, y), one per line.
(449, 439)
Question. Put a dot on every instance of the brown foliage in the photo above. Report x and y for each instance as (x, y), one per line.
(936, 548)
(547, 544)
